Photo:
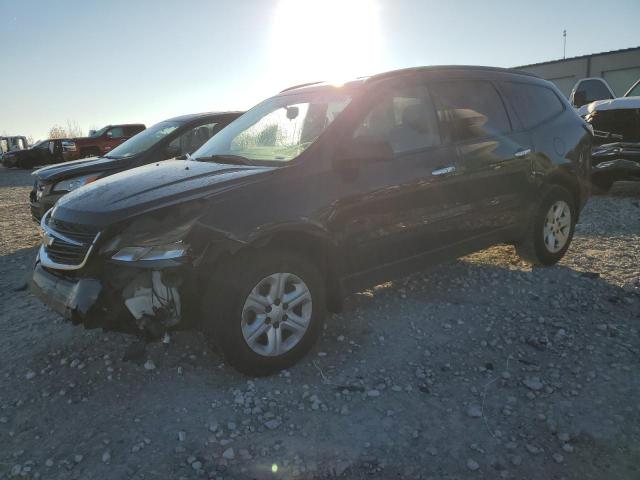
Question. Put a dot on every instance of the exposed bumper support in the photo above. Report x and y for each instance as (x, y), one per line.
(144, 303)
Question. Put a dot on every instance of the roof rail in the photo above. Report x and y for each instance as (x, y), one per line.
(301, 85)
(405, 71)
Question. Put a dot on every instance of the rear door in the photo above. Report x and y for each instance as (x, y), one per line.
(494, 153)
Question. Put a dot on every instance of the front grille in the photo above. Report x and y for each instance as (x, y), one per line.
(79, 233)
(61, 251)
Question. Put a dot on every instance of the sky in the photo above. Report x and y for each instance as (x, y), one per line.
(96, 62)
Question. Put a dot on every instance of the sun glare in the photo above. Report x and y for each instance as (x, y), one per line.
(332, 40)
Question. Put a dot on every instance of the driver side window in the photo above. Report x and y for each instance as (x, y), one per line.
(404, 117)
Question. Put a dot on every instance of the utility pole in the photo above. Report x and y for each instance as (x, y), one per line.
(564, 44)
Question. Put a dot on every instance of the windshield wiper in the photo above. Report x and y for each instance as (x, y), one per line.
(232, 159)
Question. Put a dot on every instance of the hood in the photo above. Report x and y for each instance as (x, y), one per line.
(61, 171)
(612, 104)
(150, 187)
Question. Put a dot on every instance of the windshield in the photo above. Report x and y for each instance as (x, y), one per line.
(635, 91)
(278, 129)
(144, 140)
(99, 132)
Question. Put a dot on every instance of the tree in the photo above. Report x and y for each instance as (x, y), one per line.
(57, 132)
(71, 131)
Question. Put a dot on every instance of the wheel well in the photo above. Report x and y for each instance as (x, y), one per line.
(319, 251)
(568, 182)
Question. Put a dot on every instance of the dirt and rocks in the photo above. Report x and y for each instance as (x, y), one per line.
(479, 368)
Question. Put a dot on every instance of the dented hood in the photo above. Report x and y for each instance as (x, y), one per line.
(150, 187)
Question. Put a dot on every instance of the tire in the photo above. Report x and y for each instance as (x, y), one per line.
(537, 247)
(239, 316)
(602, 185)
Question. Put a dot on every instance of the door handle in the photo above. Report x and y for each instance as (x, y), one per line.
(443, 171)
(522, 153)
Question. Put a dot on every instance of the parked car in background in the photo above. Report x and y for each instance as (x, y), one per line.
(616, 131)
(4, 146)
(589, 90)
(315, 193)
(634, 91)
(12, 144)
(170, 138)
(103, 141)
(41, 153)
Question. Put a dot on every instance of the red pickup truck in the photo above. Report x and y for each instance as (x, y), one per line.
(102, 141)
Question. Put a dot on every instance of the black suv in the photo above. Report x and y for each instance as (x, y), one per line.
(42, 153)
(170, 138)
(317, 192)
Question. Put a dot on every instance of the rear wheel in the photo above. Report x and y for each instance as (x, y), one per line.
(551, 229)
(266, 311)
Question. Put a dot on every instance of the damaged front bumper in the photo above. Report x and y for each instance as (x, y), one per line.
(138, 301)
(74, 299)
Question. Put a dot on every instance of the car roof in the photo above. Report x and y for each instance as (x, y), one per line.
(203, 116)
(313, 86)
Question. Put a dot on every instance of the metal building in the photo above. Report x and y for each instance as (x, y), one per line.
(620, 68)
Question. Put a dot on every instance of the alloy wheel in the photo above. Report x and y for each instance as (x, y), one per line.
(276, 314)
(557, 226)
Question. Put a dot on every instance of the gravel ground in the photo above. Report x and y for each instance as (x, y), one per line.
(479, 368)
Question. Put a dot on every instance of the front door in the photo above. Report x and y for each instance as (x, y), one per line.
(393, 211)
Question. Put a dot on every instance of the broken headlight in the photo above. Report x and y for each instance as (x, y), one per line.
(138, 246)
(169, 251)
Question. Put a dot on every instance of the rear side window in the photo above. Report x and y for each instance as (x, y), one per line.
(533, 103)
(470, 109)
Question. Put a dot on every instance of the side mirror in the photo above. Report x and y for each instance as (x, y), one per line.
(361, 151)
(292, 112)
(580, 98)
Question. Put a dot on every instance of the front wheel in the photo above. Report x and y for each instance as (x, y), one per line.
(551, 228)
(265, 311)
